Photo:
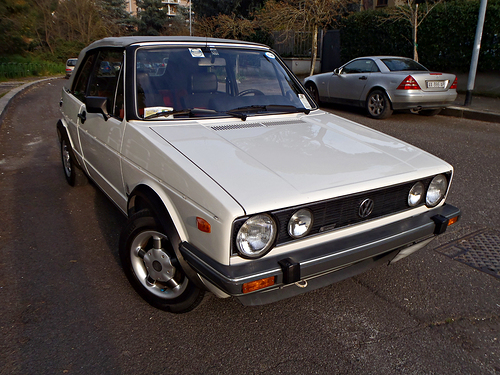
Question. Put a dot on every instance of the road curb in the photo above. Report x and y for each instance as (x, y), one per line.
(471, 114)
(6, 100)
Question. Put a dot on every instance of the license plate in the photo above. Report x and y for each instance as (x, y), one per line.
(433, 84)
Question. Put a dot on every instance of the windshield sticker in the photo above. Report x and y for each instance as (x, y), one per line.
(196, 52)
(154, 110)
(270, 55)
(214, 52)
(304, 101)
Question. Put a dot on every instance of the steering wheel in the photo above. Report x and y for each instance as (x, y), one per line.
(250, 91)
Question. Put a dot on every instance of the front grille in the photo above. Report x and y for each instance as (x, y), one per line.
(343, 211)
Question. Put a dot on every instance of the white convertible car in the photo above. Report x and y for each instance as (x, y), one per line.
(233, 181)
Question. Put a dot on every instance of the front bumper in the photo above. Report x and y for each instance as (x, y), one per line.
(316, 266)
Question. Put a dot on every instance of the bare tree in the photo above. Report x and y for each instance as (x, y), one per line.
(225, 26)
(415, 14)
(83, 20)
(45, 32)
(302, 15)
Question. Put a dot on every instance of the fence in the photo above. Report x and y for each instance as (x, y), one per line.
(18, 70)
(295, 43)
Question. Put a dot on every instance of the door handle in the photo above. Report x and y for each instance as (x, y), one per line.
(82, 116)
(363, 78)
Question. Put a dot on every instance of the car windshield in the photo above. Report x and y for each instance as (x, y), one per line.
(214, 81)
(71, 62)
(398, 65)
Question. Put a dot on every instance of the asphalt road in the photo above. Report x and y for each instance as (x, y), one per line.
(66, 306)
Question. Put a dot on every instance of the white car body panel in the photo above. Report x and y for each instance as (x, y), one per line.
(101, 147)
(267, 172)
(186, 190)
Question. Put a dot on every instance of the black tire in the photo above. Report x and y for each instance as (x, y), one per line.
(74, 175)
(313, 90)
(429, 112)
(151, 266)
(378, 104)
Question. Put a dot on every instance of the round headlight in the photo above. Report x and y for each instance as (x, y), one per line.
(256, 236)
(300, 223)
(436, 190)
(416, 194)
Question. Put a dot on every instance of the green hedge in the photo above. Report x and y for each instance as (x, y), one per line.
(16, 66)
(445, 38)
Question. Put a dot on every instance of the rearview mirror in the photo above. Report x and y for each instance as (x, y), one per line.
(337, 71)
(218, 61)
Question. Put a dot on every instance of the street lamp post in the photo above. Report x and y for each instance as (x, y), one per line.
(475, 52)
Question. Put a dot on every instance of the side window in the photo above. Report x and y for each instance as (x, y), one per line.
(105, 74)
(361, 66)
(372, 67)
(82, 78)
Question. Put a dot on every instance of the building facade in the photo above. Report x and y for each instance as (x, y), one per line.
(170, 5)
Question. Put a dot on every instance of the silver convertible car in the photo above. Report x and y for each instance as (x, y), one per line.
(232, 180)
(382, 84)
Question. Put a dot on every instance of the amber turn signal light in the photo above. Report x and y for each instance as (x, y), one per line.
(252, 286)
(203, 225)
(453, 220)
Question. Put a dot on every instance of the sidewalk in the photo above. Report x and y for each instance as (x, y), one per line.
(485, 104)
(482, 108)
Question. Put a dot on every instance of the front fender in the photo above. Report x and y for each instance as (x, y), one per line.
(144, 196)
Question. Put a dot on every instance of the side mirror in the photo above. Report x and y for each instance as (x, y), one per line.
(97, 104)
(337, 71)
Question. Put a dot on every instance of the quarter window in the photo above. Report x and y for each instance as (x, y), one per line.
(82, 78)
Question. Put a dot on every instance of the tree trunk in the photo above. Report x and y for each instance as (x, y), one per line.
(314, 51)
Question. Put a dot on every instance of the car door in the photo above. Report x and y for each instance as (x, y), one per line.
(350, 82)
(100, 136)
(73, 99)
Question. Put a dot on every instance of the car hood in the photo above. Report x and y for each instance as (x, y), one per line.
(270, 162)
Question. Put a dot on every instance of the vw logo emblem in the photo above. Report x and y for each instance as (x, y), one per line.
(366, 208)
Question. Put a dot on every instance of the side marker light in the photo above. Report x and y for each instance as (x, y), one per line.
(453, 220)
(203, 225)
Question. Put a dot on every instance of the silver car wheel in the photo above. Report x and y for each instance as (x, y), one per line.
(153, 266)
(378, 105)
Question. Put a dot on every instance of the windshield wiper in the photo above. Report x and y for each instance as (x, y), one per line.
(236, 112)
(287, 108)
(268, 108)
(192, 112)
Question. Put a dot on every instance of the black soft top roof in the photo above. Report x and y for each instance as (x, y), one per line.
(129, 40)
